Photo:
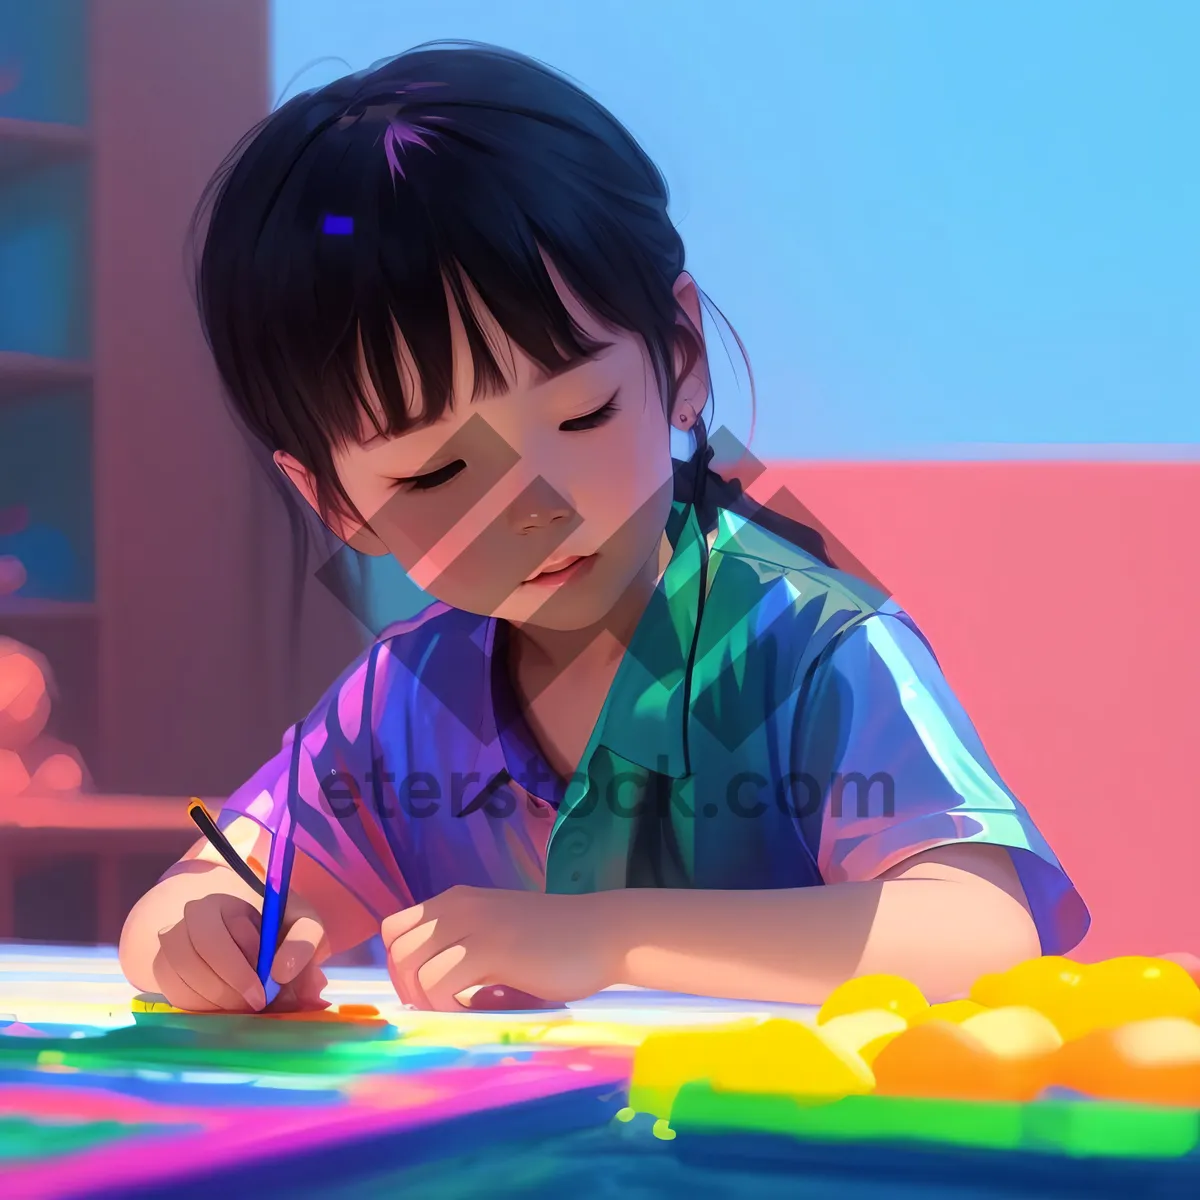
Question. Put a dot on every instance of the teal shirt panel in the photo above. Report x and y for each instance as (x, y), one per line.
(821, 742)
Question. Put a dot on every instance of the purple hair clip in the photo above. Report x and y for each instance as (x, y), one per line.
(400, 133)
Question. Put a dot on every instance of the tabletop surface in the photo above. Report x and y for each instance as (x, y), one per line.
(84, 985)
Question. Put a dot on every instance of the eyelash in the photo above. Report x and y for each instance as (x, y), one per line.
(592, 420)
(436, 479)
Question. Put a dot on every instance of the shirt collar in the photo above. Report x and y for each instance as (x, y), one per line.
(643, 717)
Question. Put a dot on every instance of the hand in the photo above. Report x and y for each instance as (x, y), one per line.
(558, 948)
(206, 960)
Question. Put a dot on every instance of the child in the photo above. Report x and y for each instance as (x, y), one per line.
(446, 295)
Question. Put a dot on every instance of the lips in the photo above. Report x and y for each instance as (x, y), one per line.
(561, 572)
(554, 568)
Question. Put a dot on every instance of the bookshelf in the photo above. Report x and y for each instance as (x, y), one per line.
(157, 558)
(26, 145)
(28, 374)
(45, 346)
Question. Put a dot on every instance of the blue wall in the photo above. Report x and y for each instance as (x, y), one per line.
(934, 223)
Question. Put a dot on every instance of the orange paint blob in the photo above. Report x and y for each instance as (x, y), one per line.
(1156, 1061)
(943, 1060)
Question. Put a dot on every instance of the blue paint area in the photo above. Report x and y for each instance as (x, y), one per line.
(570, 1146)
(361, 1164)
(944, 1171)
(338, 226)
(177, 1091)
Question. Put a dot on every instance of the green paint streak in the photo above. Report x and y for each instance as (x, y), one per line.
(1060, 1127)
(21, 1138)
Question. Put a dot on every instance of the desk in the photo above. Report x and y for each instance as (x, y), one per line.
(284, 1113)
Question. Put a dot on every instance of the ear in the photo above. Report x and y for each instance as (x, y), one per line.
(691, 392)
(356, 534)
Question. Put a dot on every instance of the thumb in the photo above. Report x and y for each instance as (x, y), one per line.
(305, 941)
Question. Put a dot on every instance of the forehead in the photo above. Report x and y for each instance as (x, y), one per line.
(520, 372)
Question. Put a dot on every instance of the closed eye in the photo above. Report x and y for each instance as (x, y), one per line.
(435, 479)
(592, 420)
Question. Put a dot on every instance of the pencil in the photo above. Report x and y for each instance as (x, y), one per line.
(220, 843)
(279, 876)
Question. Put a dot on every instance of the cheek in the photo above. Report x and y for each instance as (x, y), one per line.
(622, 479)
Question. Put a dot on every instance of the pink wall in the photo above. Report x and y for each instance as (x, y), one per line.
(1061, 600)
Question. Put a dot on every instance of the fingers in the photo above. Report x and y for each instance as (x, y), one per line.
(446, 974)
(304, 944)
(398, 924)
(409, 952)
(244, 932)
(223, 953)
(303, 994)
(198, 976)
(173, 988)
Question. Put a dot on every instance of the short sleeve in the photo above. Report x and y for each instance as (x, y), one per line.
(900, 770)
(335, 821)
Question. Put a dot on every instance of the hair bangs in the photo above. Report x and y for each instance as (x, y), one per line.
(358, 223)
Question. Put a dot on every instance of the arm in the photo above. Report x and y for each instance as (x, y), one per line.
(927, 887)
(202, 872)
(921, 920)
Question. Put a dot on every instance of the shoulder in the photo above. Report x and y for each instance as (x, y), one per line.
(777, 559)
(788, 593)
(437, 625)
(433, 657)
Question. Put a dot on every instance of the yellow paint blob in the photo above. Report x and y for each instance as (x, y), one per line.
(955, 1011)
(889, 992)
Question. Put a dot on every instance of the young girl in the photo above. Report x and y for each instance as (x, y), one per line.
(644, 735)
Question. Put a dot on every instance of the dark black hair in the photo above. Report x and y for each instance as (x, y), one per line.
(348, 212)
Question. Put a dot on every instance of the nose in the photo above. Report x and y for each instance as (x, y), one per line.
(539, 506)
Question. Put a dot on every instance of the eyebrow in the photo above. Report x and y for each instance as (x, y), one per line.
(544, 376)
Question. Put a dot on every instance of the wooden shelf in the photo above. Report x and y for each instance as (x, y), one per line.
(97, 812)
(22, 374)
(28, 144)
(31, 608)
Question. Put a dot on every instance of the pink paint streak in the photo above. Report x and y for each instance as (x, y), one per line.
(236, 1136)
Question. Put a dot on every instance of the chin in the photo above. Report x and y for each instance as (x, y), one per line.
(565, 615)
(570, 610)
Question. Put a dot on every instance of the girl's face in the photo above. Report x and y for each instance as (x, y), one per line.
(482, 506)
